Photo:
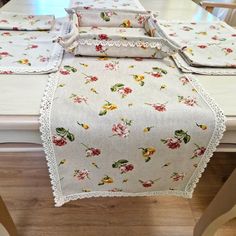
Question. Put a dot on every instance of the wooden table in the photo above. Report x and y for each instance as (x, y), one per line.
(20, 95)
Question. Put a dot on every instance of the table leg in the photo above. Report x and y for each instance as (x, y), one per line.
(6, 220)
(220, 210)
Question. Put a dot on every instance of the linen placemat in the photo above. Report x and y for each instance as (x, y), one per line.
(202, 45)
(31, 52)
(126, 127)
(18, 21)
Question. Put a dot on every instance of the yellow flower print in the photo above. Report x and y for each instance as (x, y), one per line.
(188, 50)
(62, 162)
(148, 152)
(85, 126)
(24, 62)
(106, 180)
(93, 90)
(82, 64)
(126, 24)
(147, 129)
(201, 126)
(139, 79)
(107, 107)
(103, 58)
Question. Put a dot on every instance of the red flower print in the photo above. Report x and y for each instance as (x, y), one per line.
(177, 176)
(233, 35)
(199, 151)
(103, 36)
(81, 174)
(158, 107)
(179, 137)
(4, 21)
(6, 34)
(227, 50)
(78, 99)
(126, 168)
(6, 72)
(59, 141)
(173, 143)
(148, 183)
(123, 165)
(64, 72)
(202, 46)
(99, 48)
(127, 90)
(91, 151)
(156, 74)
(90, 78)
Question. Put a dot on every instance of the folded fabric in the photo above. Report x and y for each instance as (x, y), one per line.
(116, 128)
(17, 21)
(109, 4)
(127, 34)
(186, 68)
(202, 44)
(31, 52)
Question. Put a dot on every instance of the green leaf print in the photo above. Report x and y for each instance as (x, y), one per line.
(117, 164)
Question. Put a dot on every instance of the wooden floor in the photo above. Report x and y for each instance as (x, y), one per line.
(25, 187)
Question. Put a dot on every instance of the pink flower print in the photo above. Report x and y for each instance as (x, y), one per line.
(184, 80)
(126, 168)
(120, 130)
(90, 78)
(233, 35)
(91, 151)
(187, 101)
(64, 72)
(45, 59)
(112, 65)
(4, 21)
(148, 183)
(103, 37)
(78, 99)
(125, 91)
(6, 34)
(227, 50)
(179, 137)
(4, 54)
(58, 140)
(199, 151)
(123, 166)
(6, 72)
(81, 174)
(173, 143)
(121, 89)
(32, 46)
(177, 176)
(140, 18)
(158, 106)
(202, 46)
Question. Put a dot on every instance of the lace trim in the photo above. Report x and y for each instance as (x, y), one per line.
(182, 65)
(53, 64)
(217, 135)
(45, 114)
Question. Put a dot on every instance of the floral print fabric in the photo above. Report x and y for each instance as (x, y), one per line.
(16, 21)
(202, 44)
(30, 52)
(109, 4)
(115, 127)
(114, 33)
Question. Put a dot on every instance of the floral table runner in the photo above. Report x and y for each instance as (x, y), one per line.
(126, 127)
(16, 21)
(205, 48)
(31, 52)
(110, 4)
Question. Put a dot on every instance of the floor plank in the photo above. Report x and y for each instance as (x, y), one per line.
(25, 186)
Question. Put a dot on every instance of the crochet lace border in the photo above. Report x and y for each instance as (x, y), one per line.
(45, 114)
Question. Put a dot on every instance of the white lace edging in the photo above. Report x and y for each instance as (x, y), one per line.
(182, 65)
(45, 115)
(53, 64)
(217, 135)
